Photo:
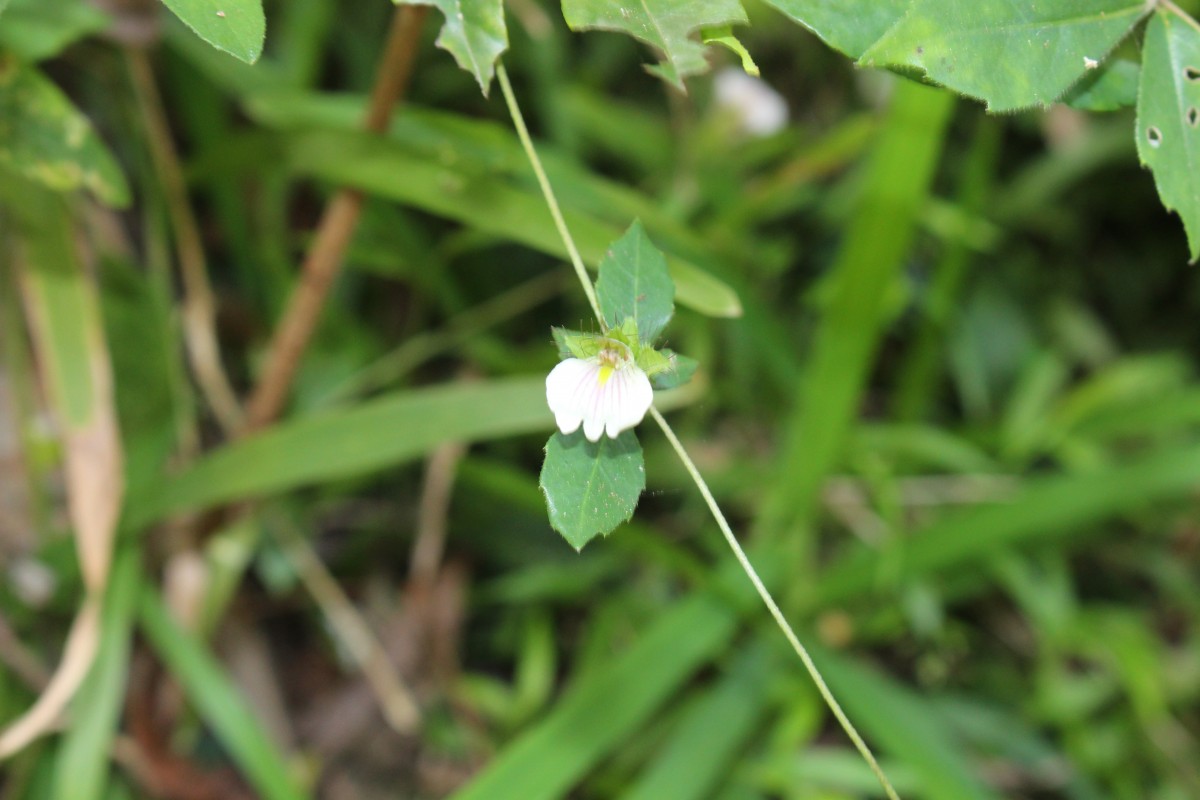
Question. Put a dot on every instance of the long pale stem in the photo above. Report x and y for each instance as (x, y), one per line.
(722, 523)
(547, 192)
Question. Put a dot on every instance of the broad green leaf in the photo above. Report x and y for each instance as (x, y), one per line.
(591, 487)
(851, 27)
(1168, 123)
(664, 24)
(217, 701)
(38, 29)
(473, 33)
(1112, 86)
(634, 284)
(46, 139)
(235, 26)
(1011, 55)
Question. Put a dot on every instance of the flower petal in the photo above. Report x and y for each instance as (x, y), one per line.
(631, 395)
(569, 387)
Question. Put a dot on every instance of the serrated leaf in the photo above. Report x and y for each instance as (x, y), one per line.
(849, 27)
(591, 487)
(44, 138)
(235, 26)
(39, 29)
(1011, 55)
(1113, 85)
(634, 283)
(1168, 123)
(665, 24)
(473, 33)
(680, 371)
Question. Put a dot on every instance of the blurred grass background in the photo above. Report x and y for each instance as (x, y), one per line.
(958, 421)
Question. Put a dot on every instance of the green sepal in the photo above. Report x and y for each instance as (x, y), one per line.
(680, 371)
(652, 362)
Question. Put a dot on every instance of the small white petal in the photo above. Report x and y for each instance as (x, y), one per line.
(568, 386)
(632, 395)
(577, 397)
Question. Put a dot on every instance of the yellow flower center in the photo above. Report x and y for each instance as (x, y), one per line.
(608, 364)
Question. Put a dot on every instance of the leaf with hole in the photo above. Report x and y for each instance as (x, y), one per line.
(667, 25)
(474, 33)
(235, 26)
(634, 284)
(1168, 123)
(591, 487)
(1010, 55)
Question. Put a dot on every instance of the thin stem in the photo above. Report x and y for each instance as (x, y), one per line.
(771, 605)
(586, 282)
(551, 201)
(334, 233)
(199, 307)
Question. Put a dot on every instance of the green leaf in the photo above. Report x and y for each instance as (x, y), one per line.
(591, 487)
(473, 33)
(846, 26)
(652, 362)
(217, 701)
(1168, 124)
(634, 284)
(1112, 86)
(1011, 55)
(664, 24)
(235, 26)
(46, 139)
(679, 372)
(460, 188)
(39, 29)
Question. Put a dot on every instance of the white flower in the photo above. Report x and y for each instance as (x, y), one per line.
(758, 109)
(607, 393)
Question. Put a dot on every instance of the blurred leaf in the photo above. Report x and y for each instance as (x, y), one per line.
(473, 33)
(723, 35)
(1168, 124)
(217, 701)
(236, 26)
(898, 720)
(64, 313)
(681, 371)
(633, 284)
(478, 197)
(378, 433)
(86, 750)
(851, 27)
(874, 249)
(1044, 510)
(665, 24)
(1112, 86)
(39, 29)
(46, 139)
(591, 487)
(694, 761)
(607, 706)
(1010, 55)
